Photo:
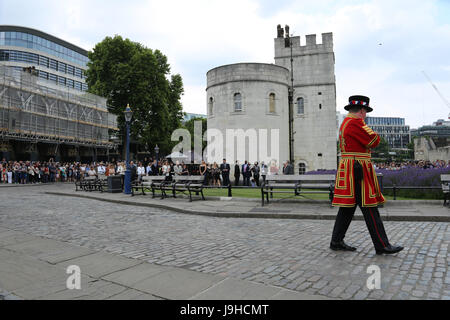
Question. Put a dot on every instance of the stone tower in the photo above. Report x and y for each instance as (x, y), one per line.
(243, 99)
(314, 98)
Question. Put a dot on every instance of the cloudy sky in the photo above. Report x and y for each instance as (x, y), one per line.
(381, 46)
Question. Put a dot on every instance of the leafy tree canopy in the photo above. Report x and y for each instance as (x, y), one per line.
(189, 125)
(127, 72)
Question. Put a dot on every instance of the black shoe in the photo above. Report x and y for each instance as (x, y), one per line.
(389, 249)
(341, 246)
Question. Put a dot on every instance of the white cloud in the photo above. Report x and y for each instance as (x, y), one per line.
(198, 35)
(195, 98)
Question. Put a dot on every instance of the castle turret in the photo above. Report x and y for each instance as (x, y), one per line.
(314, 97)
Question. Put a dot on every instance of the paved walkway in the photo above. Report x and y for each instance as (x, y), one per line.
(394, 210)
(41, 231)
(34, 267)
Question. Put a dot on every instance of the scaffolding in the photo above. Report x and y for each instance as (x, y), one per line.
(35, 110)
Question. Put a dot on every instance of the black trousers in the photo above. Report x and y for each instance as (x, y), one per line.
(226, 179)
(246, 180)
(256, 177)
(371, 216)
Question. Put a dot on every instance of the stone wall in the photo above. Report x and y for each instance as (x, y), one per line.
(255, 82)
(425, 149)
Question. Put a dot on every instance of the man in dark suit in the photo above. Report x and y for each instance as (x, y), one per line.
(288, 168)
(155, 169)
(133, 170)
(225, 170)
(237, 173)
(246, 173)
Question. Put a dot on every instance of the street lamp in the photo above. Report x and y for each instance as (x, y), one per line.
(157, 152)
(128, 114)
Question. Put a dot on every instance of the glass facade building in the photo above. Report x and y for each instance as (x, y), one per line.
(54, 59)
(189, 116)
(393, 130)
(45, 111)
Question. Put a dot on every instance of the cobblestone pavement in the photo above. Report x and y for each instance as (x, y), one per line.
(289, 253)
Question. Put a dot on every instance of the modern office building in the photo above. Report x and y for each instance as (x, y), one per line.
(45, 110)
(393, 130)
(189, 116)
(54, 59)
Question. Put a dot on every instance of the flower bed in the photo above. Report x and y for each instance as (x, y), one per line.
(410, 177)
(414, 177)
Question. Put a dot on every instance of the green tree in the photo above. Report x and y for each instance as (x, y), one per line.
(127, 72)
(410, 147)
(189, 125)
(382, 149)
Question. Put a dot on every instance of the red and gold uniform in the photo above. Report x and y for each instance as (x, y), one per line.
(356, 140)
(358, 188)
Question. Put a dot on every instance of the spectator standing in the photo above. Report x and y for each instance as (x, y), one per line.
(70, 173)
(120, 168)
(23, 173)
(263, 171)
(203, 172)
(16, 173)
(10, 174)
(140, 171)
(31, 178)
(46, 174)
(185, 171)
(246, 173)
(215, 172)
(4, 173)
(111, 170)
(273, 169)
(133, 170)
(101, 169)
(225, 170)
(255, 171)
(155, 168)
(288, 168)
(237, 173)
(91, 172)
(177, 168)
(148, 169)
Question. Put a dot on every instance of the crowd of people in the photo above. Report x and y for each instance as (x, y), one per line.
(31, 172)
(413, 164)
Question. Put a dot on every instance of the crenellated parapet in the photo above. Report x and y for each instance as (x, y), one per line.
(282, 44)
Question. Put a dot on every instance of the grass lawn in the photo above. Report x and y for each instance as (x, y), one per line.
(256, 193)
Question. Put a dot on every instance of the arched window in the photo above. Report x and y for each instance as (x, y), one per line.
(237, 102)
(300, 106)
(210, 106)
(301, 168)
(272, 103)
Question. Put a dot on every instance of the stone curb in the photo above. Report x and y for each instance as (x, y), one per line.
(415, 218)
(18, 185)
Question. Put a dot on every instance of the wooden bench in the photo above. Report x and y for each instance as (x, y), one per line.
(296, 185)
(184, 184)
(149, 183)
(445, 183)
(85, 184)
(101, 183)
(92, 183)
